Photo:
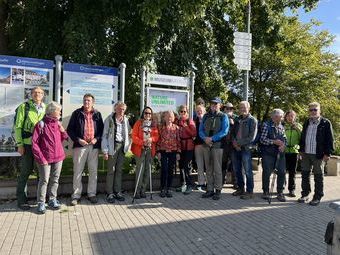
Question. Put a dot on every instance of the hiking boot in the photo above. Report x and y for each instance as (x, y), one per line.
(235, 186)
(24, 207)
(217, 195)
(188, 191)
(303, 199)
(54, 204)
(183, 188)
(41, 208)
(75, 201)
(168, 193)
(162, 194)
(314, 202)
(110, 198)
(238, 192)
(208, 194)
(119, 196)
(247, 195)
(281, 197)
(265, 196)
(93, 199)
(142, 194)
(291, 193)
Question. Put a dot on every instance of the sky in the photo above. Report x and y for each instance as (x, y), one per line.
(327, 12)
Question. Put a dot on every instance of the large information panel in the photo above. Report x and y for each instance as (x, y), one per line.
(160, 99)
(18, 76)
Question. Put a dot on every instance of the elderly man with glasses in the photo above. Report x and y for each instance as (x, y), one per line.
(316, 146)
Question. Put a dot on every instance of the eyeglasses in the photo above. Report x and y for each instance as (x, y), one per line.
(147, 113)
(182, 111)
(313, 110)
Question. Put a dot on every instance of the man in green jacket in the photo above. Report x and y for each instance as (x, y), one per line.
(23, 127)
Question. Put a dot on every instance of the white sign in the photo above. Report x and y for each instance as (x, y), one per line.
(245, 42)
(242, 48)
(243, 35)
(240, 54)
(168, 80)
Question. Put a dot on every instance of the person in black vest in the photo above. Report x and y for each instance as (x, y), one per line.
(316, 146)
(213, 128)
(273, 142)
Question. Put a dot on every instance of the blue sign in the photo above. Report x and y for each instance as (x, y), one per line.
(28, 62)
(79, 68)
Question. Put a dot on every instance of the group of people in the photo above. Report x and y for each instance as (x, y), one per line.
(217, 140)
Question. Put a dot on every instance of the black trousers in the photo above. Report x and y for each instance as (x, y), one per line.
(291, 162)
(185, 167)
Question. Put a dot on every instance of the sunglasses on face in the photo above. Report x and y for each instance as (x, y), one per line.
(182, 111)
(313, 110)
(147, 113)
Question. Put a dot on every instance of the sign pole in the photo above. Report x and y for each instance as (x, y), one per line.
(192, 94)
(122, 67)
(246, 74)
(57, 79)
(142, 89)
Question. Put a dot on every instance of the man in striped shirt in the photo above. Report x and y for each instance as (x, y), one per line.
(316, 146)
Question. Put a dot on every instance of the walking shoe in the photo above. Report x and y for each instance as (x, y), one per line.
(238, 192)
(281, 197)
(217, 195)
(199, 188)
(235, 186)
(119, 196)
(54, 204)
(75, 201)
(93, 199)
(188, 191)
(168, 193)
(24, 207)
(247, 195)
(183, 188)
(142, 194)
(265, 195)
(314, 202)
(162, 194)
(110, 198)
(303, 199)
(291, 193)
(208, 194)
(41, 207)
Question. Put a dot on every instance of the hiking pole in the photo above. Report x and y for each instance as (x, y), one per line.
(138, 178)
(150, 169)
(274, 178)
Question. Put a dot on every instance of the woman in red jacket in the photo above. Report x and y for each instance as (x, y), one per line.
(144, 139)
(48, 152)
(187, 134)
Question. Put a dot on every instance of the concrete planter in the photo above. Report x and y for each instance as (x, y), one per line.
(333, 166)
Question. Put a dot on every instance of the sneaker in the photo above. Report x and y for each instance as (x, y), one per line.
(162, 194)
(199, 188)
(281, 197)
(41, 208)
(168, 193)
(119, 196)
(265, 196)
(291, 193)
(303, 199)
(54, 204)
(75, 201)
(24, 207)
(93, 199)
(110, 198)
(217, 195)
(142, 194)
(247, 195)
(314, 202)
(208, 194)
(238, 192)
(183, 188)
(188, 190)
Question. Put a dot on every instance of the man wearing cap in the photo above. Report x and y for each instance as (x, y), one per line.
(213, 128)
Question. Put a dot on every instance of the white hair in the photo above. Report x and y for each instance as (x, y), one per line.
(277, 111)
(52, 107)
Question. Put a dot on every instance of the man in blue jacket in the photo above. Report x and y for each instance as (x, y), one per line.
(214, 126)
(316, 147)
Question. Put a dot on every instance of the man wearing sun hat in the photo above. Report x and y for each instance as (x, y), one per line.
(213, 128)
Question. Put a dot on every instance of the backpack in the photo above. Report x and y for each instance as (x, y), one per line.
(27, 108)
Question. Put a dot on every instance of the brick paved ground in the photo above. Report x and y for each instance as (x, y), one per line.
(178, 225)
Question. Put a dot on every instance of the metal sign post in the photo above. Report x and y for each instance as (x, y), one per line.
(122, 68)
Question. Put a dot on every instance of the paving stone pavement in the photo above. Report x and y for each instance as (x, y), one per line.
(178, 225)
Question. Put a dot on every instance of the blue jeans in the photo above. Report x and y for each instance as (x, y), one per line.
(239, 159)
(269, 164)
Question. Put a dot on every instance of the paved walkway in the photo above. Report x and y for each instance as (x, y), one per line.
(178, 225)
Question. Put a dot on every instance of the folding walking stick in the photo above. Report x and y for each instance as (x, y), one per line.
(138, 178)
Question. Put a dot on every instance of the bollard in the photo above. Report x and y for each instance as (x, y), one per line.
(334, 248)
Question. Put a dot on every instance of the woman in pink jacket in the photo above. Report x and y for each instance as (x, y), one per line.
(49, 154)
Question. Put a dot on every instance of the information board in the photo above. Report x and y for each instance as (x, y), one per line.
(18, 76)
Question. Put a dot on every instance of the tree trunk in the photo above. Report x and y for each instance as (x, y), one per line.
(3, 23)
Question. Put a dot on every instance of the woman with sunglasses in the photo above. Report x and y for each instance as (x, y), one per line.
(187, 134)
(144, 139)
